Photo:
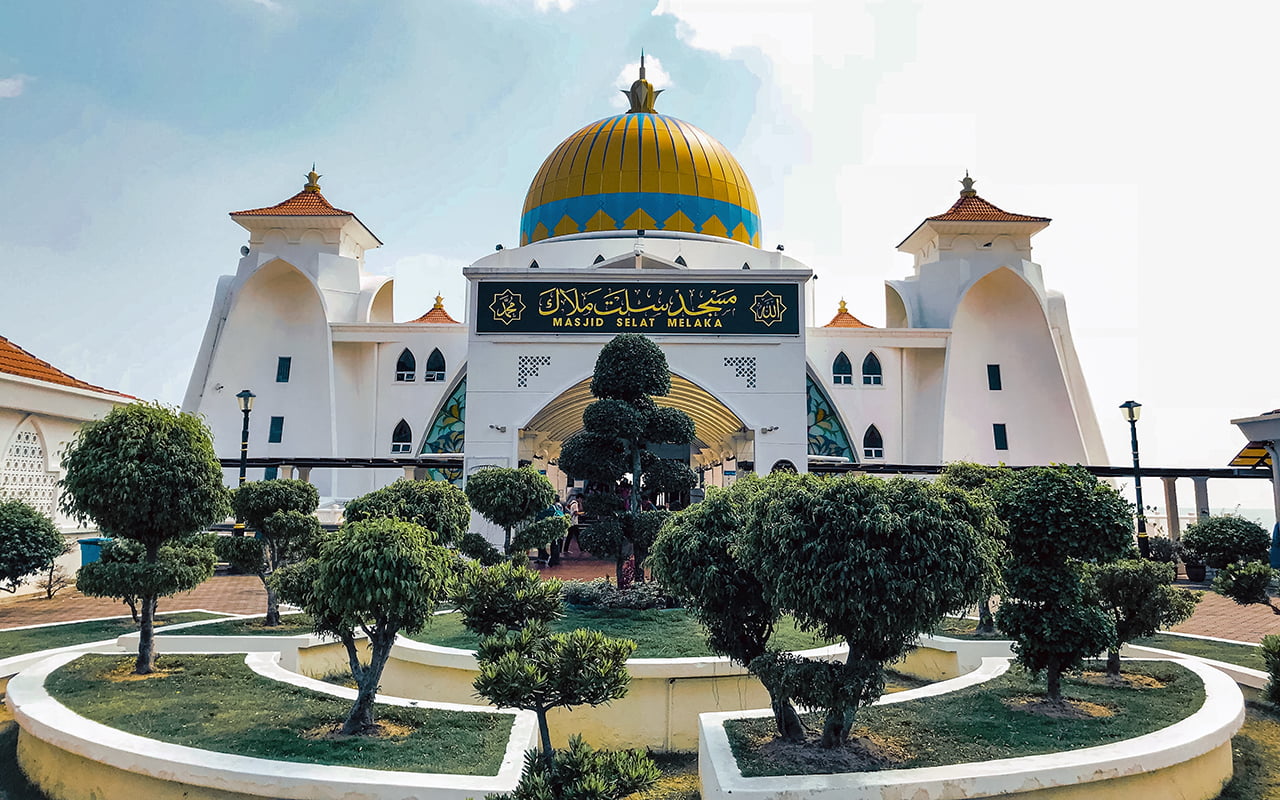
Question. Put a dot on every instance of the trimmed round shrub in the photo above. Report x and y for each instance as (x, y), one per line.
(1219, 541)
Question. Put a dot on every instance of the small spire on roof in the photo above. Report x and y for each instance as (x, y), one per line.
(968, 190)
(642, 94)
(439, 302)
(844, 309)
(313, 180)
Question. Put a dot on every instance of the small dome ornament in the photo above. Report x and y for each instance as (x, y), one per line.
(313, 180)
(967, 182)
(439, 306)
(642, 94)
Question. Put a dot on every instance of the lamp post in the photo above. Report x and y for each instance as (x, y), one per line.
(1131, 411)
(245, 400)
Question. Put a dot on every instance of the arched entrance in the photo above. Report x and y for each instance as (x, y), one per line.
(722, 446)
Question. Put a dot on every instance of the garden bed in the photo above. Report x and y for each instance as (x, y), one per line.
(979, 723)
(290, 625)
(670, 633)
(1243, 655)
(215, 702)
(21, 641)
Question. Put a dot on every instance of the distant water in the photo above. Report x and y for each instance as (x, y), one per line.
(1266, 517)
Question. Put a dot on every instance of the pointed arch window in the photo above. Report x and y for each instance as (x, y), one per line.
(842, 371)
(406, 366)
(872, 375)
(402, 438)
(435, 366)
(872, 443)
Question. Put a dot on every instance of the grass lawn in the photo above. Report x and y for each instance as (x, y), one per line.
(30, 640)
(290, 625)
(974, 724)
(217, 703)
(679, 779)
(963, 628)
(1244, 655)
(1256, 756)
(658, 634)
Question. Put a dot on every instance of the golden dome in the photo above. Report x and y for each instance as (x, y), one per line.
(641, 171)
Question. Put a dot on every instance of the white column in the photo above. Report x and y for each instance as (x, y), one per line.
(1171, 507)
(1202, 497)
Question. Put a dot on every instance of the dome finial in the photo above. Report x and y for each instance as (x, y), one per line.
(439, 302)
(642, 94)
(844, 309)
(967, 182)
(313, 180)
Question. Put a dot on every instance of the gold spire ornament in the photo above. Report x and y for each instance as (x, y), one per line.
(642, 94)
(439, 306)
(844, 309)
(313, 180)
(967, 182)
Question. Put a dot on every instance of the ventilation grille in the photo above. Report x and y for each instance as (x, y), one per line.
(527, 367)
(743, 367)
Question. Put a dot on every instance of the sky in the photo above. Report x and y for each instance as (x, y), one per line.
(1145, 130)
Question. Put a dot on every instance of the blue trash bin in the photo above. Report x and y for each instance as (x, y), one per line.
(91, 549)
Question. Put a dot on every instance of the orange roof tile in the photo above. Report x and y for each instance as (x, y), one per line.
(16, 361)
(843, 319)
(437, 315)
(306, 203)
(971, 208)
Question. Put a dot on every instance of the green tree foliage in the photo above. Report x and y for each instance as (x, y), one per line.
(1058, 518)
(979, 479)
(1138, 596)
(146, 473)
(695, 557)
(123, 572)
(377, 576)
(1246, 583)
(583, 773)
(509, 497)
(29, 543)
(1226, 539)
(868, 561)
(438, 506)
(280, 513)
(537, 670)
(504, 597)
(1271, 655)
(618, 429)
(476, 547)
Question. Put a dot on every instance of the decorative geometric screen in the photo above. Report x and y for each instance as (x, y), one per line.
(827, 435)
(527, 367)
(24, 476)
(743, 367)
(448, 433)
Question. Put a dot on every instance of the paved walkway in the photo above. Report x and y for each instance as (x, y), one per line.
(243, 594)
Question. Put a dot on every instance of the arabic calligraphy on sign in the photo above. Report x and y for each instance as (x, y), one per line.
(507, 307)
(768, 308)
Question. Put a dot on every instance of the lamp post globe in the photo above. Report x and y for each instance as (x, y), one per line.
(245, 400)
(1131, 410)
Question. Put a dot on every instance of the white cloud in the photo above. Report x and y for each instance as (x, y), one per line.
(654, 73)
(12, 87)
(559, 5)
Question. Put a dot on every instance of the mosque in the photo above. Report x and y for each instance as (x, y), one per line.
(641, 223)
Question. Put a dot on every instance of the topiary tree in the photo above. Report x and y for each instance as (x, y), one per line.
(618, 429)
(536, 670)
(29, 543)
(1059, 517)
(280, 513)
(583, 773)
(979, 479)
(1247, 584)
(378, 576)
(123, 572)
(1227, 539)
(695, 557)
(509, 497)
(504, 597)
(146, 473)
(871, 562)
(1138, 596)
(438, 506)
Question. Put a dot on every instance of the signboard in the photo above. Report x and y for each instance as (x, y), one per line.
(699, 307)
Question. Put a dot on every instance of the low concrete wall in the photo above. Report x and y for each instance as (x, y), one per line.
(1190, 760)
(73, 758)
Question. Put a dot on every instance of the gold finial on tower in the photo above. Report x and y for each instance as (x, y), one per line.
(313, 180)
(968, 190)
(439, 302)
(844, 309)
(642, 94)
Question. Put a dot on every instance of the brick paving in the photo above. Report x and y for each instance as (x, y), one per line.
(1220, 617)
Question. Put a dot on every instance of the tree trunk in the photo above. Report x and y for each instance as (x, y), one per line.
(353, 656)
(132, 603)
(836, 727)
(360, 721)
(1113, 663)
(788, 721)
(145, 664)
(986, 622)
(1053, 683)
(544, 734)
(506, 540)
(617, 569)
(273, 606)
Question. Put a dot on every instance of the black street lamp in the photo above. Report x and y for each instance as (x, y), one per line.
(245, 400)
(1131, 411)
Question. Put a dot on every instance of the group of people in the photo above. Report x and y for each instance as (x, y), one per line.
(570, 507)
